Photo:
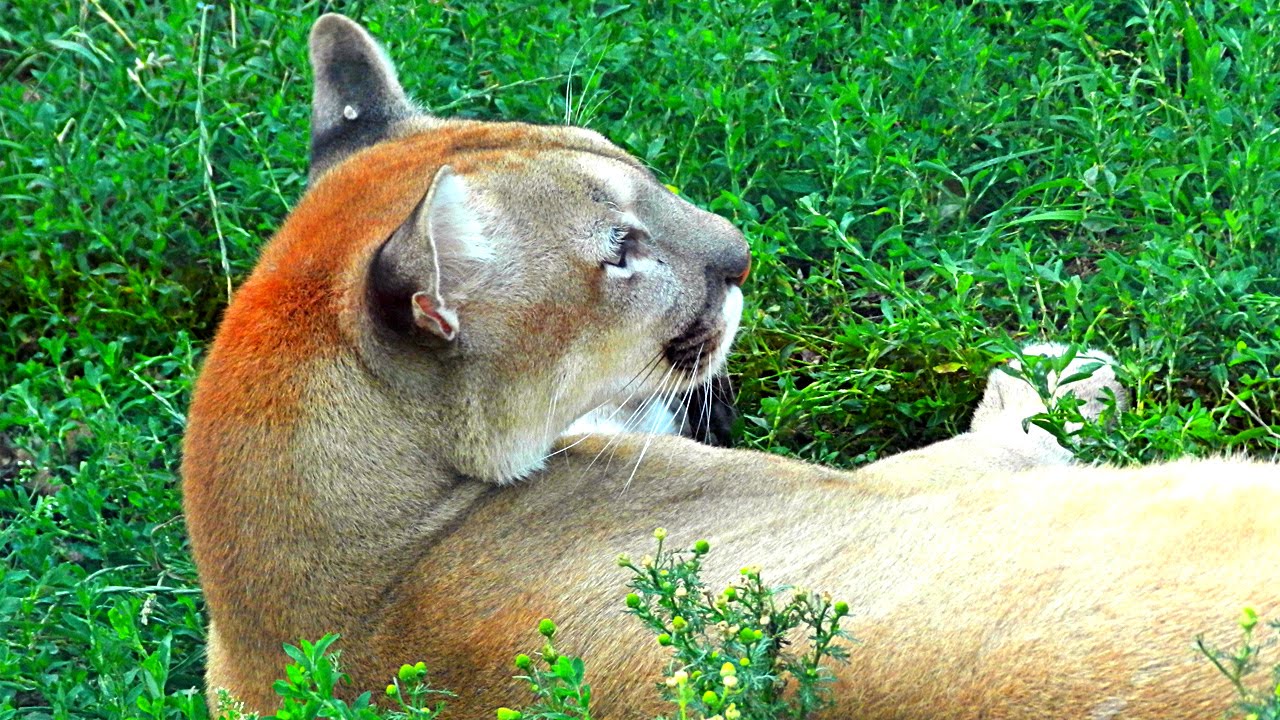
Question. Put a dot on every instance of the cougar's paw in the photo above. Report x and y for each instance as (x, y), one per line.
(1011, 399)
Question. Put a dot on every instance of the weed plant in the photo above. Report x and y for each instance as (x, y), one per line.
(734, 654)
(1237, 666)
(311, 680)
(734, 651)
(923, 184)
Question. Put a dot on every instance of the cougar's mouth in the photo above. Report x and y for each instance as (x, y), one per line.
(693, 351)
(701, 348)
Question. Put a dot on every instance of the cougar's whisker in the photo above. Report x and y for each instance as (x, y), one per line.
(649, 440)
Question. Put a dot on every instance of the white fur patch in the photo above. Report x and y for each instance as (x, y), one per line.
(613, 175)
(619, 273)
(653, 418)
(634, 265)
(642, 264)
(732, 312)
(454, 222)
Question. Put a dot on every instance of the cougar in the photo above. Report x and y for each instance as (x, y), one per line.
(375, 448)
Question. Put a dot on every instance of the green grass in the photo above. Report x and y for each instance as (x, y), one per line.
(923, 186)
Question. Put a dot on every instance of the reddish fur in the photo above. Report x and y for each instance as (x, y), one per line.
(308, 278)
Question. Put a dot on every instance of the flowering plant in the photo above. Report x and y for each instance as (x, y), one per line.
(737, 654)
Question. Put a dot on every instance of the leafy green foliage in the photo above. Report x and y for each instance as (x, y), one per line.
(309, 688)
(735, 652)
(1236, 666)
(560, 689)
(920, 181)
(1088, 438)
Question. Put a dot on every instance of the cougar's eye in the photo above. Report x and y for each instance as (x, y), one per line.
(626, 241)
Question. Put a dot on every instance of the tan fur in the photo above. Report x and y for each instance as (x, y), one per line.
(1053, 593)
(343, 474)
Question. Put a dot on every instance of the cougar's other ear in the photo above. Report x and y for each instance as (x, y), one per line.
(417, 270)
(356, 97)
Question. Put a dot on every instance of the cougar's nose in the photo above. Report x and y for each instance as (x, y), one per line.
(732, 268)
(730, 261)
(742, 277)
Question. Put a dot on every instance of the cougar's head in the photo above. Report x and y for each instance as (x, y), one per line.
(541, 272)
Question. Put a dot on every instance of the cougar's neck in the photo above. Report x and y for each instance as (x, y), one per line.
(471, 416)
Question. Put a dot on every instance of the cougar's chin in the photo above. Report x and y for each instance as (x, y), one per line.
(700, 350)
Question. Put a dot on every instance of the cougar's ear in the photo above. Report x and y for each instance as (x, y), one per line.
(415, 274)
(356, 98)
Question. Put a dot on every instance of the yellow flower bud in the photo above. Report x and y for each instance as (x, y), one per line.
(1248, 619)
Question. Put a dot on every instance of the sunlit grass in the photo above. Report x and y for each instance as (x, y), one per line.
(921, 183)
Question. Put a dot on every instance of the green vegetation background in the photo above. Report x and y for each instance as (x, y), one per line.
(922, 183)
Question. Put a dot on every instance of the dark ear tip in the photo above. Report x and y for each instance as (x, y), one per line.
(330, 27)
(331, 22)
